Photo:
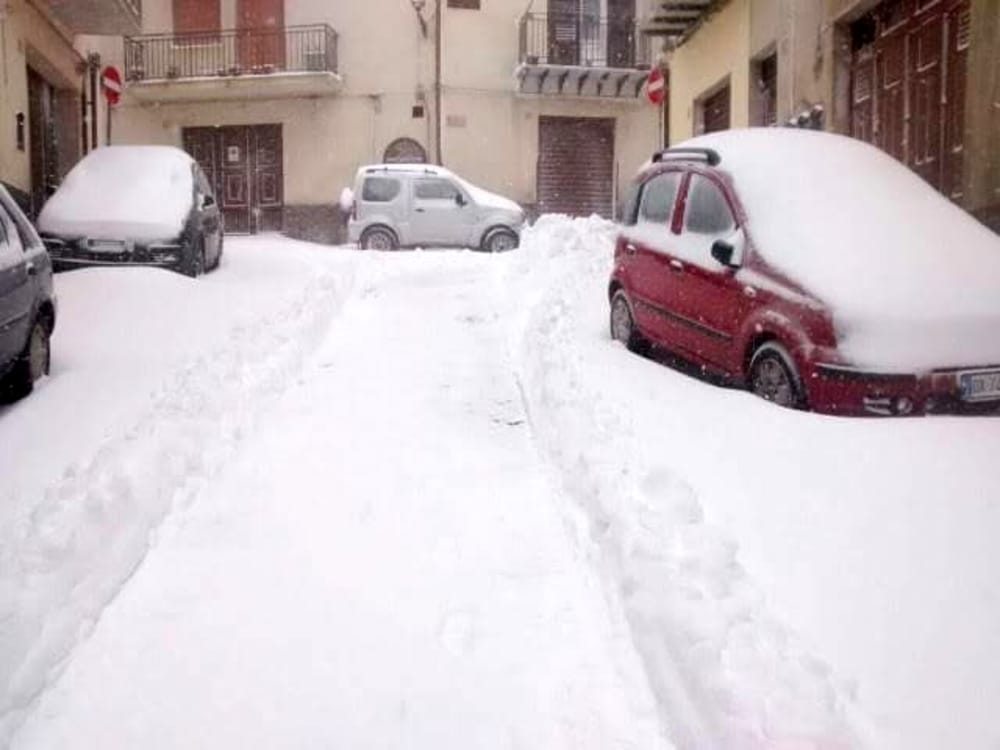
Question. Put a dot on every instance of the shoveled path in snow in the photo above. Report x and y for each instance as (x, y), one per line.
(383, 565)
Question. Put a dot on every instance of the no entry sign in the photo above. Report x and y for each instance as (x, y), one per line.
(656, 87)
(111, 84)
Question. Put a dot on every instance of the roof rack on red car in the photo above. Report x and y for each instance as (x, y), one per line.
(708, 155)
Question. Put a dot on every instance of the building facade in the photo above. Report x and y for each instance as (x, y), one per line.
(48, 88)
(917, 78)
(282, 100)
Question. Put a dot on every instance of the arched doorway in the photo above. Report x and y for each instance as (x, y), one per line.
(404, 151)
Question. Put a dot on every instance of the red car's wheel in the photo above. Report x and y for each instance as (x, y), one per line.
(623, 324)
(774, 378)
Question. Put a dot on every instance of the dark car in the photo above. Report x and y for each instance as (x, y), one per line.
(134, 205)
(27, 303)
(814, 269)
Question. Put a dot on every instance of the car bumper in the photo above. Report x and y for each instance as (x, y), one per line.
(841, 389)
(72, 255)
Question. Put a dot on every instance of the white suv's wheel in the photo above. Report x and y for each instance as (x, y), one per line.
(378, 238)
(500, 241)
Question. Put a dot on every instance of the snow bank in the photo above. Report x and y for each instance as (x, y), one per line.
(174, 413)
(726, 673)
(140, 193)
(913, 281)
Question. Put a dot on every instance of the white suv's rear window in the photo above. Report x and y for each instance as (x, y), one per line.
(380, 189)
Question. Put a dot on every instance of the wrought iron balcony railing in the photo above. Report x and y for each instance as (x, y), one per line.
(578, 39)
(292, 49)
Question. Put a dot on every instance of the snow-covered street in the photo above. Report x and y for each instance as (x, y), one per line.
(325, 498)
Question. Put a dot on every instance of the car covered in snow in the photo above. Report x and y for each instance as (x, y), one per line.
(813, 268)
(410, 205)
(27, 302)
(134, 205)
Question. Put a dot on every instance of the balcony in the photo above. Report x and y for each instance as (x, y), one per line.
(99, 16)
(282, 63)
(579, 55)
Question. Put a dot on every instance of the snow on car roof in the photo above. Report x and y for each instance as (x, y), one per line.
(123, 192)
(866, 235)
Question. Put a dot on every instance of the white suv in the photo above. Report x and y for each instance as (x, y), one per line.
(407, 205)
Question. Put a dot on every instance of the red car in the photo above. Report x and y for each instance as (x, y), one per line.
(815, 270)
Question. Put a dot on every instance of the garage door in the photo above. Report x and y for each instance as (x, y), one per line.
(576, 157)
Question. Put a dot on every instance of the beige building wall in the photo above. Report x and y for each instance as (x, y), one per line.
(29, 37)
(489, 133)
(716, 55)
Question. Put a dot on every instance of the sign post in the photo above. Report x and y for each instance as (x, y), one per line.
(656, 94)
(111, 87)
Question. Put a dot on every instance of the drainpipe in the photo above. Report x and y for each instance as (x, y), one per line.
(437, 83)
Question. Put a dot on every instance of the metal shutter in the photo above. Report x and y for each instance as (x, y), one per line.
(576, 165)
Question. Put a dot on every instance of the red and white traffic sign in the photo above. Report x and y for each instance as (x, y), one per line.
(111, 84)
(656, 87)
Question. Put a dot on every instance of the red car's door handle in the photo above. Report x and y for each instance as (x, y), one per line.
(677, 265)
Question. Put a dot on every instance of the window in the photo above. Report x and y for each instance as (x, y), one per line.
(380, 189)
(658, 198)
(630, 206)
(435, 189)
(707, 209)
(467, 4)
(203, 187)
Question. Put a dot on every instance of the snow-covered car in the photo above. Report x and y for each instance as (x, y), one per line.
(408, 205)
(813, 268)
(27, 302)
(134, 205)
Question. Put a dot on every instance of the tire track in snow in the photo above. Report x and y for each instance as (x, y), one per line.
(93, 528)
(726, 674)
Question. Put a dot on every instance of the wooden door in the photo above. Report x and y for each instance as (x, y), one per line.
(908, 77)
(262, 34)
(576, 165)
(243, 164)
(191, 16)
(958, 23)
(42, 141)
(268, 177)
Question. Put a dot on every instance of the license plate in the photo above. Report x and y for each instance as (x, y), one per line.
(980, 386)
(107, 246)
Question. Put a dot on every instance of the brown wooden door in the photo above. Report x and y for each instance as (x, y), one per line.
(576, 165)
(196, 15)
(42, 140)
(715, 112)
(244, 165)
(262, 41)
(958, 23)
(908, 85)
(268, 179)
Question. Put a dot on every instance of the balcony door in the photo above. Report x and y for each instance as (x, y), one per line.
(262, 34)
(592, 33)
(621, 33)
